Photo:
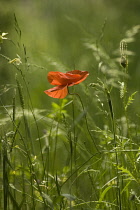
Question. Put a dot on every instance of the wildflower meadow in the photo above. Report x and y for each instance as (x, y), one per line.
(69, 105)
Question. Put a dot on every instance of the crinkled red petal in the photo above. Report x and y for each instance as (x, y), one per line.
(57, 92)
(70, 78)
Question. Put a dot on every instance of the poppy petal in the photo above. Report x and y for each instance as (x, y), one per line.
(57, 92)
(57, 78)
(82, 75)
(70, 78)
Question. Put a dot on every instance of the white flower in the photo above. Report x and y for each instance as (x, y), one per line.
(17, 60)
(2, 36)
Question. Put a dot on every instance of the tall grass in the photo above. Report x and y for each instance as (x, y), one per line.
(83, 152)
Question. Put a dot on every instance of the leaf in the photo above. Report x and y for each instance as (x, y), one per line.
(47, 198)
(130, 175)
(69, 197)
(102, 195)
(130, 100)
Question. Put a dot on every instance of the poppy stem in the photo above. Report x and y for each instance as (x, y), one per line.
(85, 119)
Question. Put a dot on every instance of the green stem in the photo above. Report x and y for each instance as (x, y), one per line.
(86, 120)
(115, 144)
(31, 167)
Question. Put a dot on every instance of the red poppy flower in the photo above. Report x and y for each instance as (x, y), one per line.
(63, 80)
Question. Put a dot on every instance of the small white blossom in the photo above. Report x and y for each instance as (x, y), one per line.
(17, 60)
(2, 36)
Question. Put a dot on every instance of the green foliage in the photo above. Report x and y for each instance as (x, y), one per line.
(59, 110)
(20, 94)
(130, 99)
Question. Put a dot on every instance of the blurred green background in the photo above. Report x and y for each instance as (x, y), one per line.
(54, 34)
(63, 35)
